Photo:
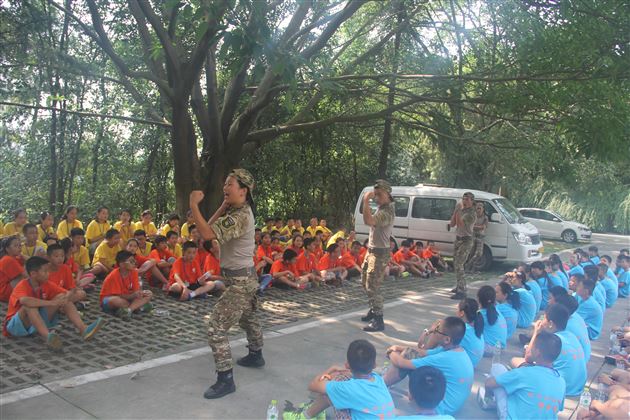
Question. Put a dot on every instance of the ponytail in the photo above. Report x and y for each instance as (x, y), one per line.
(487, 298)
(512, 297)
(470, 307)
(555, 259)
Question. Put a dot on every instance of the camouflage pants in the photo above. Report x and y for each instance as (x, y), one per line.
(462, 251)
(372, 277)
(475, 253)
(238, 303)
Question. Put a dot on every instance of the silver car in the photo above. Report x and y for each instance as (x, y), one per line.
(553, 226)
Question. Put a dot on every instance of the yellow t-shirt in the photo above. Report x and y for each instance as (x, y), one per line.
(63, 229)
(11, 229)
(42, 234)
(149, 229)
(126, 232)
(177, 251)
(96, 229)
(106, 254)
(184, 231)
(82, 257)
(1, 229)
(165, 229)
(39, 249)
(146, 251)
(313, 230)
(333, 238)
(266, 229)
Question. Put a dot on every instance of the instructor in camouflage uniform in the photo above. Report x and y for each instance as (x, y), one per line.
(463, 220)
(232, 225)
(378, 256)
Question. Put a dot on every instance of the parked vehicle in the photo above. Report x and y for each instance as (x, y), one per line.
(423, 213)
(553, 226)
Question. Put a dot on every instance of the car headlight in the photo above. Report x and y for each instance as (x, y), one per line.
(585, 229)
(522, 239)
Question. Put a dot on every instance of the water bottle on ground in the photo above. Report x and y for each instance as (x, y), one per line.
(615, 347)
(585, 399)
(602, 391)
(496, 353)
(272, 410)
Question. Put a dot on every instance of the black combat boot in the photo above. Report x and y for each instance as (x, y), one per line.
(377, 324)
(253, 359)
(368, 317)
(223, 386)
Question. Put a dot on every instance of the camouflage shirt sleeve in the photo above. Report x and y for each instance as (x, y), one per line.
(384, 216)
(230, 226)
(468, 217)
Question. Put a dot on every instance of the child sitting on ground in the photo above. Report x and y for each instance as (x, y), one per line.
(105, 255)
(353, 387)
(410, 261)
(78, 258)
(172, 240)
(11, 268)
(186, 280)
(330, 267)
(285, 272)
(35, 303)
(32, 245)
(427, 386)
(59, 273)
(144, 246)
(146, 266)
(121, 294)
(162, 256)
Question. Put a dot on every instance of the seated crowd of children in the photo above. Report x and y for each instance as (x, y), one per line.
(441, 366)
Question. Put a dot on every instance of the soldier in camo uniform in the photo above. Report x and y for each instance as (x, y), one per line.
(232, 225)
(463, 220)
(378, 256)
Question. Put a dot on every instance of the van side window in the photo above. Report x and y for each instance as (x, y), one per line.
(433, 208)
(401, 205)
(489, 209)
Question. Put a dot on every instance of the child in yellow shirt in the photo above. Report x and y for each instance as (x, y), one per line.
(32, 246)
(80, 258)
(144, 246)
(172, 239)
(125, 226)
(172, 224)
(15, 227)
(68, 222)
(105, 255)
(45, 226)
(96, 230)
(146, 224)
(185, 234)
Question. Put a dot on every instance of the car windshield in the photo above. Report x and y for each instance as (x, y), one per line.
(508, 210)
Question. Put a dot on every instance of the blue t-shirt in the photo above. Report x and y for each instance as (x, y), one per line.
(366, 399)
(595, 259)
(611, 275)
(534, 392)
(624, 283)
(577, 326)
(534, 288)
(586, 263)
(563, 278)
(599, 293)
(422, 416)
(576, 269)
(555, 280)
(459, 373)
(495, 332)
(611, 290)
(571, 364)
(527, 311)
(592, 314)
(511, 317)
(473, 345)
(545, 285)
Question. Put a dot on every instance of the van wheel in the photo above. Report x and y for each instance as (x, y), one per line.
(569, 236)
(485, 261)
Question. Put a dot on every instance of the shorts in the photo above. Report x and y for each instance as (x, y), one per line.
(15, 326)
(105, 305)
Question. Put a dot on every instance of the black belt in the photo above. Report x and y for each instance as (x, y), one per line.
(463, 238)
(379, 251)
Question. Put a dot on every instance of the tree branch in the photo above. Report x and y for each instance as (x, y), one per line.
(172, 57)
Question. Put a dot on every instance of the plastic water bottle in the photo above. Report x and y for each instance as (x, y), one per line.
(496, 353)
(272, 410)
(383, 370)
(585, 399)
(602, 391)
(615, 348)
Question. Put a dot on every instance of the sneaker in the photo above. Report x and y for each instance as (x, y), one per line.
(53, 341)
(405, 274)
(93, 328)
(486, 400)
(124, 314)
(147, 307)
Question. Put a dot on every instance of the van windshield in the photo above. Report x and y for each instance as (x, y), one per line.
(508, 210)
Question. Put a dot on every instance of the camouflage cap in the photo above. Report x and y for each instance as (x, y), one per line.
(244, 177)
(383, 185)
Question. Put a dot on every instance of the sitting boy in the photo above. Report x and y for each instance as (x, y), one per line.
(35, 303)
(307, 261)
(172, 241)
(59, 273)
(144, 246)
(352, 259)
(330, 266)
(285, 272)
(353, 387)
(32, 245)
(410, 261)
(187, 280)
(427, 386)
(105, 255)
(438, 347)
(534, 389)
(121, 294)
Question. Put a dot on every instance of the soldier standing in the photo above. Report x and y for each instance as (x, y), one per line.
(378, 256)
(463, 220)
(232, 225)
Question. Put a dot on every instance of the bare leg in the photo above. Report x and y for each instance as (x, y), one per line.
(116, 302)
(32, 317)
(320, 404)
(393, 376)
(139, 303)
(74, 317)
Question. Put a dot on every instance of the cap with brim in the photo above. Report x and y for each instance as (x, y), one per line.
(383, 185)
(244, 177)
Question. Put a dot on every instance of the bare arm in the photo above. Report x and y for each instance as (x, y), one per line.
(204, 228)
(318, 384)
(400, 362)
(368, 217)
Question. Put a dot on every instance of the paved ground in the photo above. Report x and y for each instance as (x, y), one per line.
(136, 378)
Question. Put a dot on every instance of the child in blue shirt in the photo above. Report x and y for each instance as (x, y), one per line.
(610, 287)
(527, 310)
(588, 307)
(534, 389)
(593, 254)
(624, 275)
(534, 288)
(439, 348)
(494, 324)
(364, 393)
(468, 311)
(574, 262)
(542, 278)
(575, 324)
(427, 386)
(558, 269)
(570, 363)
(509, 302)
(607, 259)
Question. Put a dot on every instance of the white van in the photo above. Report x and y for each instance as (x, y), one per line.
(423, 214)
